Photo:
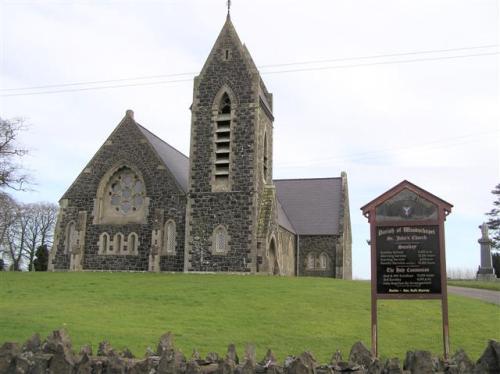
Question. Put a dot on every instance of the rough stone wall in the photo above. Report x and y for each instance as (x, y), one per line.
(128, 145)
(236, 208)
(55, 355)
(317, 244)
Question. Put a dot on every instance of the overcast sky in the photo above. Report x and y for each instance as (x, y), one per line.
(426, 109)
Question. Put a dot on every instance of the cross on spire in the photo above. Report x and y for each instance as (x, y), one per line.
(228, 7)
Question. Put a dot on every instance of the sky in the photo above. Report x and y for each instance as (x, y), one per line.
(383, 90)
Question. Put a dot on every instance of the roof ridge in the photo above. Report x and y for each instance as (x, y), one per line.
(160, 139)
(305, 179)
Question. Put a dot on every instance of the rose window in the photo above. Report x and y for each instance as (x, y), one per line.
(126, 191)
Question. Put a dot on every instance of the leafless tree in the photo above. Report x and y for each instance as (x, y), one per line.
(27, 227)
(41, 221)
(11, 173)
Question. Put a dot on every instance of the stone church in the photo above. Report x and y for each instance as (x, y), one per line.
(141, 205)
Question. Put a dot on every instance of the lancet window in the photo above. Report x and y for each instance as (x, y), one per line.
(223, 142)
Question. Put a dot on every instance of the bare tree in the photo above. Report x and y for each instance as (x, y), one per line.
(11, 175)
(41, 220)
(27, 227)
(15, 238)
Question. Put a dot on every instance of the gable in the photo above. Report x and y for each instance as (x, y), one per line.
(312, 206)
(127, 139)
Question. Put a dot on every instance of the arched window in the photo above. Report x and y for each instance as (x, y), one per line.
(323, 261)
(103, 243)
(118, 243)
(132, 243)
(125, 192)
(223, 109)
(225, 104)
(310, 261)
(121, 197)
(220, 240)
(70, 237)
(169, 242)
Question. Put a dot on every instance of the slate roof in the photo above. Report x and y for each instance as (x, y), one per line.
(175, 161)
(283, 220)
(311, 205)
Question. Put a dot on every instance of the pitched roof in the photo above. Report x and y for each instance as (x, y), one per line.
(175, 161)
(311, 205)
(283, 220)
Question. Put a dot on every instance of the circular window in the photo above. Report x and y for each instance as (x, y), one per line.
(126, 191)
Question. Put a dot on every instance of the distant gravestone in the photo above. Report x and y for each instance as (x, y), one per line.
(485, 271)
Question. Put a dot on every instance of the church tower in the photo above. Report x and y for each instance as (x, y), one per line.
(230, 175)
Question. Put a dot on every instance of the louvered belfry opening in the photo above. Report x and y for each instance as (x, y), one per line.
(223, 141)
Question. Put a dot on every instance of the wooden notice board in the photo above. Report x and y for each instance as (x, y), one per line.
(408, 250)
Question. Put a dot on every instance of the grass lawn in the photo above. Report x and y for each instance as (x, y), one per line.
(208, 312)
(495, 286)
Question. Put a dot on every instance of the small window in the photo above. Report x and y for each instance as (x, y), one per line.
(103, 243)
(225, 104)
(132, 242)
(71, 237)
(118, 242)
(169, 242)
(220, 240)
(323, 261)
(310, 261)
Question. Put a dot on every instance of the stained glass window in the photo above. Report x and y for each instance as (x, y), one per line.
(126, 191)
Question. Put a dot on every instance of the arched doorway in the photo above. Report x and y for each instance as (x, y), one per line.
(274, 268)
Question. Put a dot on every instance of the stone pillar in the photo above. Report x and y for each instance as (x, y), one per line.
(485, 271)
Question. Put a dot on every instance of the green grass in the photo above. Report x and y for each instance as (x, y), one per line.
(208, 312)
(495, 286)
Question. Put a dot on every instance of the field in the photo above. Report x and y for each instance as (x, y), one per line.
(208, 312)
(495, 286)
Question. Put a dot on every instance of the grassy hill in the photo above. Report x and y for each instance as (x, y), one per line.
(208, 312)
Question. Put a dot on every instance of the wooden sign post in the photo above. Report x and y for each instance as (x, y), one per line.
(407, 250)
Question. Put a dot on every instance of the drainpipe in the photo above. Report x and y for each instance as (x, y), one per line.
(298, 255)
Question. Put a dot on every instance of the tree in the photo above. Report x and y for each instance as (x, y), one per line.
(42, 258)
(494, 219)
(2, 264)
(496, 263)
(40, 226)
(11, 175)
(27, 227)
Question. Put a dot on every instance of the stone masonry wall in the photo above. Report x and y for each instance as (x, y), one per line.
(234, 209)
(128, 145)
(55, 355)
(317, 244)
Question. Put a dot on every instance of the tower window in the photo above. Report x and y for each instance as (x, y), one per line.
(222, 143)
(220, 240)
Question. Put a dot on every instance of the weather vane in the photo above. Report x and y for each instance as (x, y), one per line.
(228, 6)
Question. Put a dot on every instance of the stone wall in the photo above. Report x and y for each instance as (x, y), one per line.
(127, 146)
(228, 69)
(317, 244)
(55, 355)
